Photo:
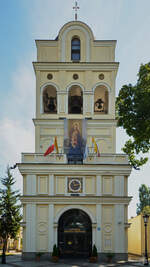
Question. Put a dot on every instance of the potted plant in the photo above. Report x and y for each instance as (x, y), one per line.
(55, 254)
(110, 256)
(38, 256)
(94, 254)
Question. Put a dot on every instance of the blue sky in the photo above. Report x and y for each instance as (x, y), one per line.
(21, 22)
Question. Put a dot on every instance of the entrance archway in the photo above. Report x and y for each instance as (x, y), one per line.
(75, 233)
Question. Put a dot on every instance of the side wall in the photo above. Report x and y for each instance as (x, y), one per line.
(134, 236)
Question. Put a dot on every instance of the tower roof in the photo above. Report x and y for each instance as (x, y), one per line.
(75, 25)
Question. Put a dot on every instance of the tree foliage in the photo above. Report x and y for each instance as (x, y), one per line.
(133, 114)
(144, 197)
(10, 216)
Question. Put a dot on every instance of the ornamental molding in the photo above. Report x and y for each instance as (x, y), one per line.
(38, 168)
(45, 43)
(80, 207)
(58, 66)
(80, 200)
(105, 43)
(65, 169)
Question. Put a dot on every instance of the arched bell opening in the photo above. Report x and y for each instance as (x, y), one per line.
(75, 234)
(75, 100)
(101, 100)
(49, 99)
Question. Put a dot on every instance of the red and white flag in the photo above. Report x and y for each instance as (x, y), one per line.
(49, 150)
(53, 145)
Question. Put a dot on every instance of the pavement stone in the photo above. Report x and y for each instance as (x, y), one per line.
(16, 261)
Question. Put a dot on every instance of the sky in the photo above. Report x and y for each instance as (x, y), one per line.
(23, 21)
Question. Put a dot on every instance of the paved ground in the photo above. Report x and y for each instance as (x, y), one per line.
(16, 261)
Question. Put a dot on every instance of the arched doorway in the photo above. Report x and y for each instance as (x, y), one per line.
(75, 233)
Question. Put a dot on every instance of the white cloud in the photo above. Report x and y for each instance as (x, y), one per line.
(20, 102)
(15, 138)
(16, 126)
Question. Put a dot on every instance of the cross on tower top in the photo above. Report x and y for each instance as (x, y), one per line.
(76, 7)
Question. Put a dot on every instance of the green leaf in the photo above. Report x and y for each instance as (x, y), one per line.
(133, 114)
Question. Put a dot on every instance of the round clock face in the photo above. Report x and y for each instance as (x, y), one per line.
(75, 185)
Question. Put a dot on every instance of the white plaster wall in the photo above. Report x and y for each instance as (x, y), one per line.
(51, 185)
(119, 186)
(51, 228)
(119, 235)
(30, 228)
(98, 185)
(31, 185)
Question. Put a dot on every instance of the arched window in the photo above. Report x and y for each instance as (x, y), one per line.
(50, 99)
(75, 49)
(101, 100)
(75, 100)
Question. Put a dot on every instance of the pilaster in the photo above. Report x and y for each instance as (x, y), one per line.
(51, 228)
(99, 227)
(51, 184)
(30, 228)
(119, 229)
(98, 185)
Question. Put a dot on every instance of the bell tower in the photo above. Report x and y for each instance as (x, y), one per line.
(76, 196)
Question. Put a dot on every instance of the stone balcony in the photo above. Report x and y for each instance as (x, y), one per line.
(113, 159)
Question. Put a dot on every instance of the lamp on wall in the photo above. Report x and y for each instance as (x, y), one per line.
(146, 217)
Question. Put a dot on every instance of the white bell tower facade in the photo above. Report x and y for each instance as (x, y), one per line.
(77, 195)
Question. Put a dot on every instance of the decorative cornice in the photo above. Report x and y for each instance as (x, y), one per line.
(61, 199)
(85, 169)
(106, 43)
(46, 43)
(99, 66)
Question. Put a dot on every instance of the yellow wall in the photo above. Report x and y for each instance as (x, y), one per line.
(47, 54)
(60, 185)
(143, 236)
(51, 50)
(107, 185)
(90, 185)
(134, 236)
(43, 185)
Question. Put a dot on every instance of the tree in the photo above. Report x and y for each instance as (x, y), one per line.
(144, 197)
(10, 216)
(133, 114)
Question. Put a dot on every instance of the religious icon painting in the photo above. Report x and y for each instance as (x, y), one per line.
(74, 139)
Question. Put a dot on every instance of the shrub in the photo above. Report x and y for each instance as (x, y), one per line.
(94, 251)
(55, 251)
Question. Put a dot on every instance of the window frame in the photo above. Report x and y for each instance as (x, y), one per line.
(75, 49)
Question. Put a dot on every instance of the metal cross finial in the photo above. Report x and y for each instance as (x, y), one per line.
(76, 7)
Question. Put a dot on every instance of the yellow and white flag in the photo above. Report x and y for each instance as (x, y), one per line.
(56, 145)
(96, 150)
